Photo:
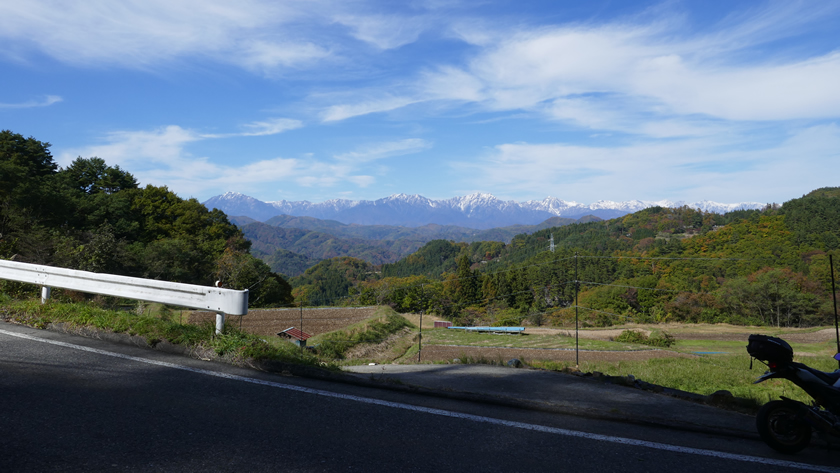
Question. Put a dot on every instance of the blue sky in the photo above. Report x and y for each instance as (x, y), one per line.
(316, 100)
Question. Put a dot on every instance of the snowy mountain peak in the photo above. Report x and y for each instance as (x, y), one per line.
(478, 210)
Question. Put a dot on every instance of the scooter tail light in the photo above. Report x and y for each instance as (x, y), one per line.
(772, 365)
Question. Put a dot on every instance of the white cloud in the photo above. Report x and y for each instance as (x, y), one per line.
(450, 83)
(384, 31)
(658, 73)
(385, 150)
(383, 104)
(649, 65)
(805, 89)
(197, 176)
(687, 169)
(162, 156)
(266, 56)
(141, 150)
(620, 113)
(271, 127)
(46, 101)
(138, 34)
(322, 174)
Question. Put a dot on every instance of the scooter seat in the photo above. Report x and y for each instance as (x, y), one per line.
(832, 378)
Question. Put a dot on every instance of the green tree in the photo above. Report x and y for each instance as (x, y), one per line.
(30, 199)
(464, 286)
(24, 162)
(239, 270)
(92, 176)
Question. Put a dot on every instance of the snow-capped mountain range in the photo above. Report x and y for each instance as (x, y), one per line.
(480, 210)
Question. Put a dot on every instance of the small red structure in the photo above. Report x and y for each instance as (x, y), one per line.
(439, 323)
(296, 335)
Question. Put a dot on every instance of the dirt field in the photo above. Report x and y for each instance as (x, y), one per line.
(267, 322)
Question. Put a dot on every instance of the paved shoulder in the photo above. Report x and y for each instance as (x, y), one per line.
(565, 393)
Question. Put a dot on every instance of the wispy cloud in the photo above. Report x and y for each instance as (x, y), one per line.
(381, 104)
(44, 102)
(138, 34)
(696, 168)
(654, 71)
(384, 31)
(261, 36)
(680, 103)
(163, 156)
(271, 127)
(385, 150)
(160, 157)
(141, 151)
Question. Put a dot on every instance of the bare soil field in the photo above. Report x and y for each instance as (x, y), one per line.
(315, 321)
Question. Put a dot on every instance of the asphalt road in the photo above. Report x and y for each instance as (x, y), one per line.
(74, 404)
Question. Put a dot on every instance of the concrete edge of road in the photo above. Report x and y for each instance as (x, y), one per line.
(387, 383)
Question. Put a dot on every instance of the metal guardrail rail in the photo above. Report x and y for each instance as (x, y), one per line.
(219, 300)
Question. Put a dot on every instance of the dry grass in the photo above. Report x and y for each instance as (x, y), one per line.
(428, 320)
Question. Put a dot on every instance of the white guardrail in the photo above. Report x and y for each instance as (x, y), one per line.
(219, 300)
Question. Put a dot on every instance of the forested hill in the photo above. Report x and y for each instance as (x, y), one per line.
(659, 264)
(95, 217)
(421, 234)
(290, 244)
(287, 250)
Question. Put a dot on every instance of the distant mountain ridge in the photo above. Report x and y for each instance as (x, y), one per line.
(478, 211)
(290, 244)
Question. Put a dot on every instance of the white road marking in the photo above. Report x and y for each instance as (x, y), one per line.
(441, 412)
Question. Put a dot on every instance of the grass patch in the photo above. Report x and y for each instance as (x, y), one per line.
(335, 344)
(232, 344)
(441, 336)
(703, 375)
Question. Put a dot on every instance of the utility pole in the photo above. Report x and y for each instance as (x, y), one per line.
(834, 295)
(420, 338)
(301, 324)
(577, 289)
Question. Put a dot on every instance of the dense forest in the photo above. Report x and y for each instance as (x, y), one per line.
(95, 217)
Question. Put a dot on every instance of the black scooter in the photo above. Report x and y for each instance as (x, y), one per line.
(786, 425)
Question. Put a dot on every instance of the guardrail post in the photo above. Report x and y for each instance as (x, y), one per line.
(220, 322)
(45, 294)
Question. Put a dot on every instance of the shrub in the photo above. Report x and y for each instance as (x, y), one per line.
(662, 339)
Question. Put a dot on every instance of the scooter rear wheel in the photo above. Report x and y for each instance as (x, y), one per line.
(781, 427)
